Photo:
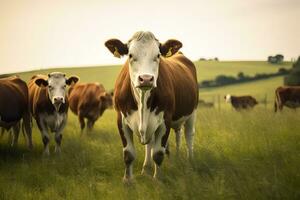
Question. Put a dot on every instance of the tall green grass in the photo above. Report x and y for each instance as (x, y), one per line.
(238, 155)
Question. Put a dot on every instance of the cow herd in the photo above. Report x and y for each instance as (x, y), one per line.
(45, 100)
(156, 91)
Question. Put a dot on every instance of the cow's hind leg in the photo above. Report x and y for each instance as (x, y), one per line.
(81, 121)
(178, 139)
(90, 124)
(16, 131)
(189, 131)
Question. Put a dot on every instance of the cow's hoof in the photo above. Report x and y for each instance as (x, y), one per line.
(127, 180)
(46, 153)
(146, 171)
(57, 151)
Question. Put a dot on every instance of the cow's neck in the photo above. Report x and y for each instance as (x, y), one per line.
(141, 98)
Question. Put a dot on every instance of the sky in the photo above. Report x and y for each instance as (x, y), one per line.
(36, 34)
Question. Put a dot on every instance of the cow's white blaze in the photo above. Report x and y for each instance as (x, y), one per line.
(144, 58)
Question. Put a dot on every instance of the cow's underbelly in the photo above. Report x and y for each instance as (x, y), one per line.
(54, 121)
(153, 122)
(148, 124)
(292, 104)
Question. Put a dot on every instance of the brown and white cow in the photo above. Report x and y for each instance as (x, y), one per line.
(14, 107)
(155, 91)
(49, 105)
(241, 102)
(288, 96)
(89, 100)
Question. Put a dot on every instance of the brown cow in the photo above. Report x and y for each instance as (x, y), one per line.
(49, 105)
(288, 96)
(89, 100)
(155, 91)
(14, 106)
(241, 102)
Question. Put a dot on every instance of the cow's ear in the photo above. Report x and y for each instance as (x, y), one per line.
(41, 82)
(116, 47)
(170, 47)
(72, 80)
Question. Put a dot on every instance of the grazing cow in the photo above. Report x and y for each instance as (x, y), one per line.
(89, 100)
(155, 91)
(49, 105)
(14, 106)
(241, 102)
(288, 96)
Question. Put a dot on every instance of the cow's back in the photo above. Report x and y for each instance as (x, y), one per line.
(84, 96)
(14, 98)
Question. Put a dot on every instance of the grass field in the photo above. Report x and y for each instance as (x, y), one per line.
(238, 155)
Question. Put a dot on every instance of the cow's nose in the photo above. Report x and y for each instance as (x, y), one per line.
(58, 99)
(146, 80)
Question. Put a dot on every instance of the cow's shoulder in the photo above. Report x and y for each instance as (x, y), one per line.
(123, 98)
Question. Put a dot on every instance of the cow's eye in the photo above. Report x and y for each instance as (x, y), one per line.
(158, 56)
(130, 55)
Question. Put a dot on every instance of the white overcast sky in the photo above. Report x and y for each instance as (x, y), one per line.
(49, 33)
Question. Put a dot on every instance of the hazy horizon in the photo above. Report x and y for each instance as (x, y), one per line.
(41, 34)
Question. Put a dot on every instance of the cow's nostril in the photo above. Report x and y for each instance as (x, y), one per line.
(151, 79)
(141, 79)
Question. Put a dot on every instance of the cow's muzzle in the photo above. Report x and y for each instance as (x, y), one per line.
(57, 101)
(145, 82)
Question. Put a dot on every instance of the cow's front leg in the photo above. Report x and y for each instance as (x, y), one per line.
(147, 162)
(128, 153)
(58, 135)
(44, 132)
(159, 146)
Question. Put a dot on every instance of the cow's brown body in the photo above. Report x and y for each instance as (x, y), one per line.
(243, 102)
(88, 100)
(14, 106)
(287, 96)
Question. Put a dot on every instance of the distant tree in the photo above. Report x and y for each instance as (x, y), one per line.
(276, 59)
(279, 58)
(202, 59)
(293, 78)
(216, 59)
(241, 75)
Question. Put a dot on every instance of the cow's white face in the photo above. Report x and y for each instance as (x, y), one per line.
(228, 98)
(143, 51)
(56, 87)
(144, 57)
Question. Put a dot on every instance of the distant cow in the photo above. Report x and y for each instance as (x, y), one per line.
(288, 96)
(241, 102)
(14, 107)
(89, 100)
(49, 105)
(155, 91)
